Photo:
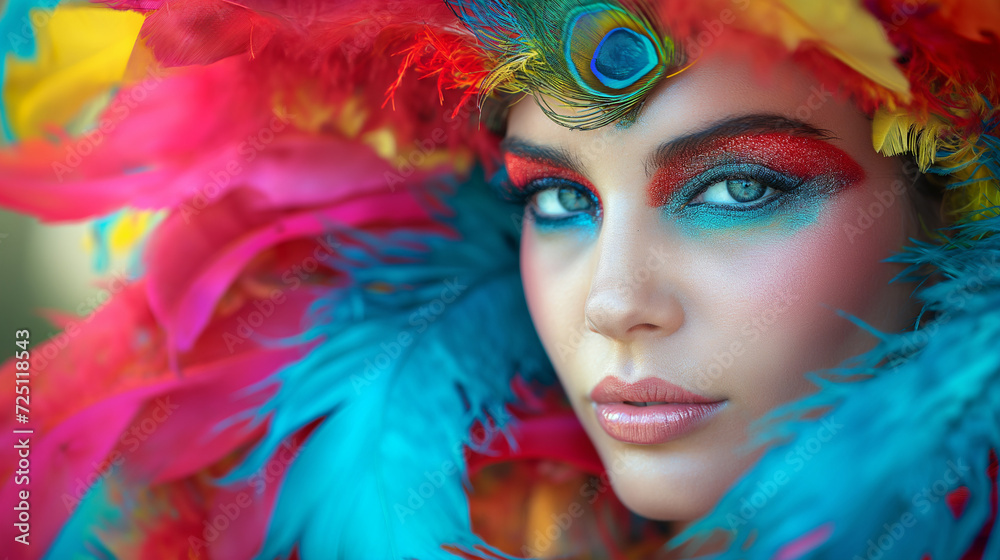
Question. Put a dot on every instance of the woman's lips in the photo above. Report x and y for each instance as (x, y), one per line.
(649, 411)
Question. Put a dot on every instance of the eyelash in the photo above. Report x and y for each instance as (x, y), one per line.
(766, 176)
(524, 196)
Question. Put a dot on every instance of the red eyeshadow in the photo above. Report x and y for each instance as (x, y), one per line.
(797, 156)
(524, 169)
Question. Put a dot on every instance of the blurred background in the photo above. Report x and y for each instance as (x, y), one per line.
(43, 268)
(44, 56)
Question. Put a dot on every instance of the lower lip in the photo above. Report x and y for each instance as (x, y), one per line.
(658, 423)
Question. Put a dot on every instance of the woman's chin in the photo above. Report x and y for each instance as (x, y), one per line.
(669, 486)
(666, 499)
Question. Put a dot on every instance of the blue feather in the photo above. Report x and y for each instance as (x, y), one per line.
(77, 538)
(399, 380)
(921, 425)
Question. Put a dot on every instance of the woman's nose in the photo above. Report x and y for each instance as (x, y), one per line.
(632, 292)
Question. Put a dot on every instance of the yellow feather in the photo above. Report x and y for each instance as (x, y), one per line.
(972, 200)
(131, 228)
(896, 132)
(82, 53)
(843, 28)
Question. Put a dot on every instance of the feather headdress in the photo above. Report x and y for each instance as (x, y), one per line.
(314, 164)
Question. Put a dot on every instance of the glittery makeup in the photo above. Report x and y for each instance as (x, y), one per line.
(722, 232)
(799, 157)
(800, 173)
(791, 166)
(528, 175)
(523, 169)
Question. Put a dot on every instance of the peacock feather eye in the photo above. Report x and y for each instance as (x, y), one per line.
(622, 58)
(611, 52)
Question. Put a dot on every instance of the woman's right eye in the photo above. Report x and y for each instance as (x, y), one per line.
(559, 202)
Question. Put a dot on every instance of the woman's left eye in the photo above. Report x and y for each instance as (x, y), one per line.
(733, 192)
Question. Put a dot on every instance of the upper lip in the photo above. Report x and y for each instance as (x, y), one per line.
(613, 389)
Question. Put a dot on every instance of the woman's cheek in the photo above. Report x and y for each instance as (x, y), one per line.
(773, 293)
(555, 287)
(783, 293)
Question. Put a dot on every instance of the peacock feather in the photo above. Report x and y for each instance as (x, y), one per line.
(587, 64)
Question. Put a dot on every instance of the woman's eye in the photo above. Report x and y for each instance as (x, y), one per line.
(560, 202)
(734, 192)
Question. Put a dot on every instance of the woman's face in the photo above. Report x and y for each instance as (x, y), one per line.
(685, 272)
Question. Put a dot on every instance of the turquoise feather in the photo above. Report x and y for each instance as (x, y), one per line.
(383, 475)
(919, 427)
(76, 538)
(921, 423)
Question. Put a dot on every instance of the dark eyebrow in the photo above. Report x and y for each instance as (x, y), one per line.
(735, 126)
(558, 156)
(689, 143)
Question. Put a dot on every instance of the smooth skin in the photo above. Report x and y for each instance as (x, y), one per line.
(734, 309)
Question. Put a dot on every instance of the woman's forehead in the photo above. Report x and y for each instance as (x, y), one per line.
(720, 87)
